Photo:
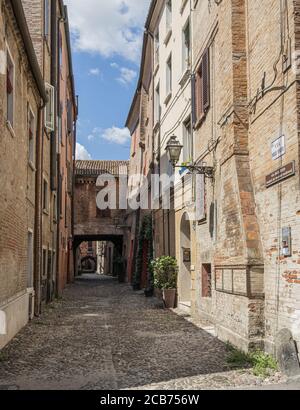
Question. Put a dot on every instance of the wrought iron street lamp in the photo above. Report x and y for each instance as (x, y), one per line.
(174, 149)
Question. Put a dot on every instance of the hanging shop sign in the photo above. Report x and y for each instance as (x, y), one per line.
(281, 174)
(200, 198)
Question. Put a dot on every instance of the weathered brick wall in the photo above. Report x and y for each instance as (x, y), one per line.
(85, 214)
(275, 114)
(34, 15)
(65, 147)
(244, 49)
(222, 140)
(34, 12)
(17, 177)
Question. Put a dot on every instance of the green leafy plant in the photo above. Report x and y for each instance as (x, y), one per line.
(165, 271)
(3, 356)
(145, 238)
(261, 364)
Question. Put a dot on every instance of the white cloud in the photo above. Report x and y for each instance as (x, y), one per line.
(110, 28)
(116, 135)
(94, 71)
(82, 153)
(126, 76)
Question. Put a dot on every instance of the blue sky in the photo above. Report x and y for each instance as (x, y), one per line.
(106, 41)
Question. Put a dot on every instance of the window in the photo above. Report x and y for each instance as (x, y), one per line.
(45, 196)
(30, 260)
(206, 281)
(54, 211)
(187, 141)
(49, 267)
(90, 247)
(169, 76)
(156, 48)
(44, 263)
(10, 85)
(60, 54)
(169, 14)
(186, 47)
(69, 117)
(157, 105)
(103, 213)
(31, 132)
(47, 19)
(202, 87)
(49, 111)
(59, 124)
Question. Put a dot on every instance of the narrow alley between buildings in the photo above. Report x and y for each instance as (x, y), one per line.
(102, 335)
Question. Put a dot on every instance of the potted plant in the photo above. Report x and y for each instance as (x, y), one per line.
(165, 271)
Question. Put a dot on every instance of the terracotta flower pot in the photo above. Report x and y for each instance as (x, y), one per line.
(158, 293)
(169, 297)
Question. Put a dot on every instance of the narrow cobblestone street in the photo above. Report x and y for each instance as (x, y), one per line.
(102, 335)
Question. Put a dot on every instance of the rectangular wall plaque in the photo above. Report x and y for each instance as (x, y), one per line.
(278, 148)
(280, 174)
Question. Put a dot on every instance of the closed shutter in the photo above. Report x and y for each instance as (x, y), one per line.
(194, 107)
(9, 84)
(205, 82)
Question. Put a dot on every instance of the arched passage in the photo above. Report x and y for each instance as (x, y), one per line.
(116, 261)
(185, 282)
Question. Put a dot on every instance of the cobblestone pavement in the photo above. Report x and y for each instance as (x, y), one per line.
(102, 335)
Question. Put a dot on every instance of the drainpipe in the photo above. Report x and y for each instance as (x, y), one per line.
(38, 225)
(73, 186)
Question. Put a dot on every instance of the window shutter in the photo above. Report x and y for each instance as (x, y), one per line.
(9, 86)
(194, 108)
(199, 92)
(205, 82)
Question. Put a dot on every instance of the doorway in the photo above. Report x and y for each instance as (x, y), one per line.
(185, 281)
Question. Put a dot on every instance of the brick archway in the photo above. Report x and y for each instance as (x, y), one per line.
(90, 225)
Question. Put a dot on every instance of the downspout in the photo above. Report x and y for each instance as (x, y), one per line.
(38, 210)
(73, 186)
(53, 154)
(56, 72)
(54, 84)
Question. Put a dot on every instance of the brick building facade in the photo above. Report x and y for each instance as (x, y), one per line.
(22, 96)
(30, 79)
(66, 124)
(243, 238)
(92, 224)
(49, 29)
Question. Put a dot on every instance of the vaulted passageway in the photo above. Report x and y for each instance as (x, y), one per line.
(99, 234)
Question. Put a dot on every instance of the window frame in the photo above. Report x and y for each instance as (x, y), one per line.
(169, 15)
(169, 76)
(31, 155)
(45, 262)
(157, 104)
(186, 62)
(206, 273)
(49, 124)
(187, 132)
(202, 93)
(45, 196)
(47, 21)
(10, 59)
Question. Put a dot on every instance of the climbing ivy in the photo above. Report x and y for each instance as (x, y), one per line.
(145, 234)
